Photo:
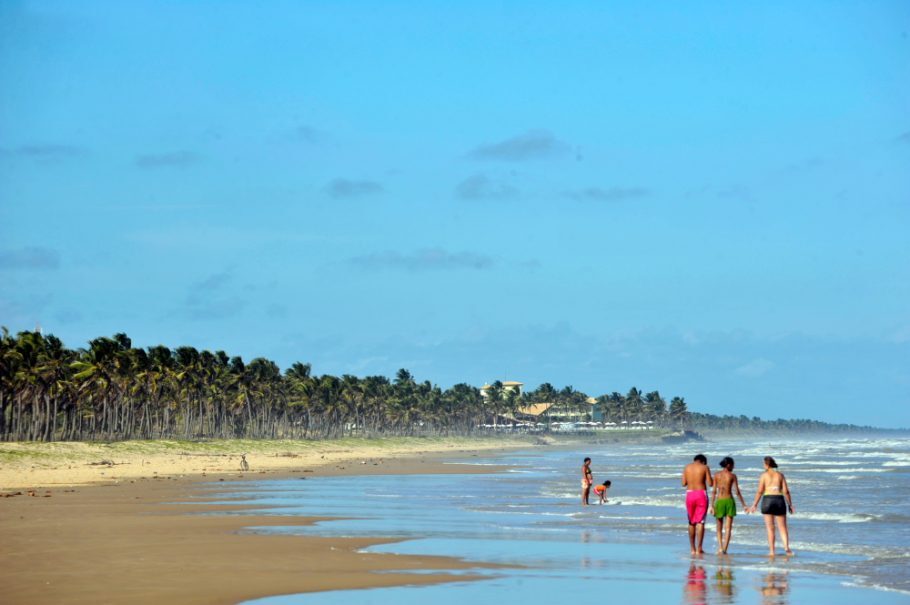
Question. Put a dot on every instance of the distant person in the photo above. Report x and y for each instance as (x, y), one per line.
(696, 478)
(723, 507)
(602, 489)
(775, 502)
(587, 480)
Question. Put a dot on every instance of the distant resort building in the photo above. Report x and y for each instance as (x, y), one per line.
(562, 416)
(507, 385)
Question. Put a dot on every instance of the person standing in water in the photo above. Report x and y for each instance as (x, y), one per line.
(587, 480)
(696, 478)
(775, 502)
(723, 507)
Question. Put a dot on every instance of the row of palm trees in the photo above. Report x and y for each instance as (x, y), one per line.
(111, 390)
(649, 407)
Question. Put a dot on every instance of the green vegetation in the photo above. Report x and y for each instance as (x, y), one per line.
(112, 391)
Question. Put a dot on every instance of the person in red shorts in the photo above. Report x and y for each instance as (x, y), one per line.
(696, 478)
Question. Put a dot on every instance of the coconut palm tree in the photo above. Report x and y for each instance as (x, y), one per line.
(679, 412)
(633, 405)
(655, 407)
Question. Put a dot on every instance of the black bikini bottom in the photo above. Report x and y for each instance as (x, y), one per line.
(774, 505)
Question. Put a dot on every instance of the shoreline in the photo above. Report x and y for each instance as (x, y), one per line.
(159, 538)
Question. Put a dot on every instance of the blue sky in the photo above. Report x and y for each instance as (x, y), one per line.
(707, 199)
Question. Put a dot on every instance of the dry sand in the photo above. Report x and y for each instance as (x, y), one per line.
(123, 540)
(31, 465)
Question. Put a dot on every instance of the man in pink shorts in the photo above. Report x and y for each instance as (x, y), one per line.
(696, 478)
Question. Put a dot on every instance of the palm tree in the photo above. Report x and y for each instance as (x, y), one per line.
(28, 384)
(9, 361)
(494, 400)
(633, 407)
(301, 388)
(679, 412)
(96, 382)
(655, 407)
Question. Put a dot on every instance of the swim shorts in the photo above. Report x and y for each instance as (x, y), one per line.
(774, 505)
(724, 507)
(696, 506)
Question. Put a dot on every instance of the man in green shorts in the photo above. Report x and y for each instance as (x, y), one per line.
(723, 506)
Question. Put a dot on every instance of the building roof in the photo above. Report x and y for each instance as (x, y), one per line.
(535, 410)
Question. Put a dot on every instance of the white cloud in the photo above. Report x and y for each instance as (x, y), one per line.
(755, 368)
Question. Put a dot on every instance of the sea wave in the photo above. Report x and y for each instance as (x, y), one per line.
(875, 587)
(823, 463)
(852, 470)
(665, 501)
(838, 517)
(861, 550)
(644, 475)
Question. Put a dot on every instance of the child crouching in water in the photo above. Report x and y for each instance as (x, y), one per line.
(601, 490)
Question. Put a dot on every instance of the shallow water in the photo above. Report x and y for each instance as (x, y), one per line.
(850, 531)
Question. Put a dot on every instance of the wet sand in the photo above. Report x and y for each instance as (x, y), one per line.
(131, 540)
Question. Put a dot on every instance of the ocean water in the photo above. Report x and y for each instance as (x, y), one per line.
(851, 530)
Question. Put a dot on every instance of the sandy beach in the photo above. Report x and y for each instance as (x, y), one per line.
(75, 531)
(49, 465)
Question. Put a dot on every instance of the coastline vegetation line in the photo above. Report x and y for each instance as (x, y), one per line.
(111, 391)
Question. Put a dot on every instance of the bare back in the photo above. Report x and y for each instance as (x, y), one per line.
(723, 484)
(772, 483)
(697, 476)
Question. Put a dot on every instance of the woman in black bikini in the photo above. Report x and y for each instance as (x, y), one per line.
(775, 502)
(587, 480)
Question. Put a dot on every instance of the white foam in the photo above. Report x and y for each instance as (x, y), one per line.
(824, 463)
(645, 475)
(875, 587)
(849, 549)
(561, 495)
(654, 501)
(837, 517)
(474, 463)
(851, 470)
